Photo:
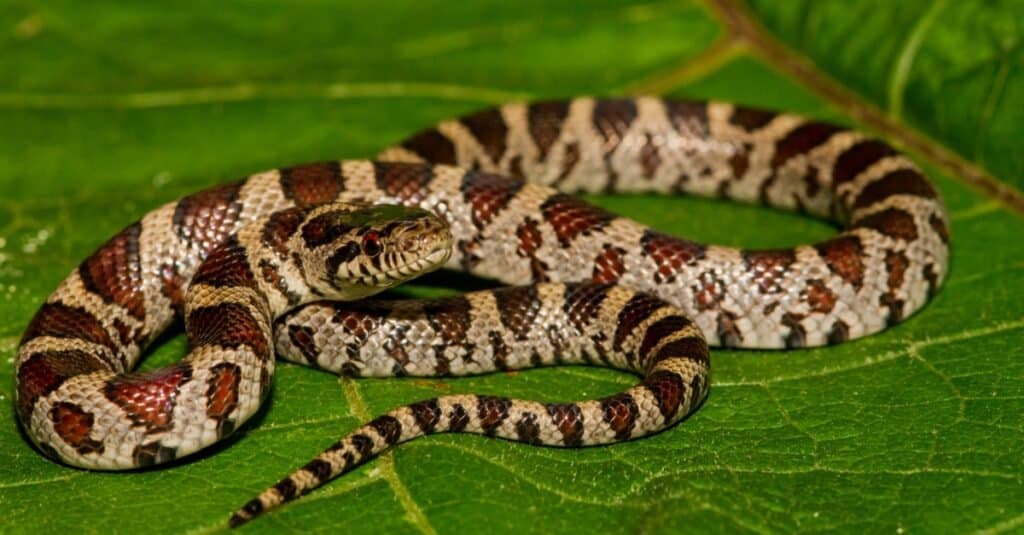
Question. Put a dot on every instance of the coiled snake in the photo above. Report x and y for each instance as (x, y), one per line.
(605, 290)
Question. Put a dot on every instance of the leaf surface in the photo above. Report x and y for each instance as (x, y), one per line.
(111, 109)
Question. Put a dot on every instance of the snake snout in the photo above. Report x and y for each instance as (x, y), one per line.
(427, 241)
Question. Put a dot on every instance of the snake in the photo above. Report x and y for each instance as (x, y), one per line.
(281, 263)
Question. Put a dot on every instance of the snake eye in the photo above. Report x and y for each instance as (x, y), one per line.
(371, 244)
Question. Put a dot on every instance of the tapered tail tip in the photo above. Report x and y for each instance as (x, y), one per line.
(246, 513)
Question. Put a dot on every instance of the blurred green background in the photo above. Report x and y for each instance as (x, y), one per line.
(112, 108)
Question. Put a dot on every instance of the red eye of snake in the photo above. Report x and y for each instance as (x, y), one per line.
(371, 244)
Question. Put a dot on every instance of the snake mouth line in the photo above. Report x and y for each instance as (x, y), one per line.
(422, 265)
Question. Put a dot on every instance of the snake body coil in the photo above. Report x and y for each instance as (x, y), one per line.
(243, 262)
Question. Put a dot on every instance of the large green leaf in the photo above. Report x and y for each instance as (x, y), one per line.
(109, 109)
(955, 70)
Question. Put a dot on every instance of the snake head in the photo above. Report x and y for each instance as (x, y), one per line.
(351, 251)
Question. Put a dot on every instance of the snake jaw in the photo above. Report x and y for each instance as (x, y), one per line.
(435, 257)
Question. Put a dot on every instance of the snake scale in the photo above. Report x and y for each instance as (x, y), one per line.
(247, 265)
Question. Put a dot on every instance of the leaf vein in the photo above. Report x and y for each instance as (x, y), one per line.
(561, 493)
(968, 334)
(901, 69)
(1010, 524)
(250, 91)
(34, 482)
(386, 464)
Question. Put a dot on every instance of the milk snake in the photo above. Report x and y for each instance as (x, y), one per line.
(594, 287)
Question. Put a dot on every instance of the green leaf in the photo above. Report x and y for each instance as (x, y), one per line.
(110, 109)
(953, 70)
